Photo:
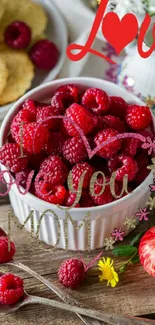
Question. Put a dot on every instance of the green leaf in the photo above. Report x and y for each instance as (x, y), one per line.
(123, 268)
(136, 239)
(124, 251)
(135, 259)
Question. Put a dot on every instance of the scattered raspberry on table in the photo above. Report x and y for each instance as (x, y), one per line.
(11, 289)
(71, 273)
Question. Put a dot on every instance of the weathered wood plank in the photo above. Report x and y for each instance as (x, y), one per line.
(134, 295)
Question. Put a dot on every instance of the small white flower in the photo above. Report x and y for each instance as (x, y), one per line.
(130, 223)
(151, 203)
(108, 243)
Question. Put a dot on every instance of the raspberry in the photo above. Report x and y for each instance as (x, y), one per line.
(44, 54)
(96, 100)
(86, 200)
(77, 172)
(81, 117)
(138, 117)
(70, 199)
(118, 107)
(55, 144)
(10, 157)
(104, 198)
(61, 101)
(22, 177)
(74, 150)
(71, 273)
(34, 137)
(6, 255)
(130, 146)
(54, 194)
(72, 90)
(24, 116)
(123, 165)
(113, 122)
(11, 289)
(110, 149)
(55, 170)
(44, 114)
(18, 35)
(31, 106)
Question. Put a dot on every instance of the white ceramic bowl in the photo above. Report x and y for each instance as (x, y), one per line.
(57, 33)
(92, 234)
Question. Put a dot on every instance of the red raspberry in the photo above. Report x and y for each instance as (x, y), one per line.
(55, 170)
(54, 194)
(31, 106)
(71, 273)
(11, 289)
(96, 100)
(24, 116)
(81, 117)
(110, 149)
(118, 107)
(18, 35)
(86, 200)
(130, 146)
(72, 90)
(113, 122)
(138, 117)
(77, 172)
(61, 101)
(10, 157)
(44, 54)
(70, 199)
(123, 165)
(22, 177)
(34, 137)
(55, 144)
(6, 255)
(74, 150)
(104, 198)
(45, 113)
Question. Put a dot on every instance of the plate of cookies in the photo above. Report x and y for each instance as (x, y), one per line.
(33, 42)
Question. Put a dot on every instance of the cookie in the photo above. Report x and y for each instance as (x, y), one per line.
(3, 75)
(21, 73)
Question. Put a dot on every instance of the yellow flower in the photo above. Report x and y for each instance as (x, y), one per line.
(108, 272)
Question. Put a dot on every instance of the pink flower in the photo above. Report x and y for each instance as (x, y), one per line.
(118, 234)
(149, 144)
(142, 214)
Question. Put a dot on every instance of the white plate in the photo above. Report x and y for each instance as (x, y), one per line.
(57, 33)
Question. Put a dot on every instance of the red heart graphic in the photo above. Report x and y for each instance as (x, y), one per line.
(119, 33)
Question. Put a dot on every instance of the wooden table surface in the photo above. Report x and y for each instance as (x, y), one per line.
(134, 295)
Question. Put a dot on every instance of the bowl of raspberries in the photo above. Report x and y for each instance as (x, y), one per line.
(72, 154)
